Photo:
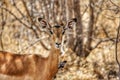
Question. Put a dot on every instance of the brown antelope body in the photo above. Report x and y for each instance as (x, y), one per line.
(33, 66)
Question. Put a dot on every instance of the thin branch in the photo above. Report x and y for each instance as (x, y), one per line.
(103, 40)
(26, 9)
(31, 20)
(84, 11)
(23, 16)
(32, 7)
(32, 44)
(20, 21)
(13, 20)
(14, 4)
(107, 35)
(15, 17)
(116, 47)
(109, 16)
(2, 24)
(114, 4)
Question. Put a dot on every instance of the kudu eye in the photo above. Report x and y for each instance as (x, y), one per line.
(43, 27)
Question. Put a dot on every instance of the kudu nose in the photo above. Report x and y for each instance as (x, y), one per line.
(58, 45)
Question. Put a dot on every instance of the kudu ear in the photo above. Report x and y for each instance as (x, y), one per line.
(70, 23)
(43, 23)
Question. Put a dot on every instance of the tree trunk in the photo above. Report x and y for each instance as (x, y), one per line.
(90, 29)
(79, 29)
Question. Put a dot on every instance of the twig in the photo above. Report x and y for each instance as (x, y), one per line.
(114, 4)
(33, 44)
(107, 35)
(31, 28)
(116, 47)
(13, 20)
(15, 17)
(2, 24)
(84, 11)
(31, 20)
(32, 6)
(14, 4)
(26, 9)
(103, 40)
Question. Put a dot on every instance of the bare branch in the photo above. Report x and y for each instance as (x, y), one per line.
(26, 9)
(2, 24)
(14, 4)
(103, 40)
(15, 17)
(106, 33)
(84, 11)
(114, 4)
(31, 20)
(32, 44)
(20, 20)
(116, 47)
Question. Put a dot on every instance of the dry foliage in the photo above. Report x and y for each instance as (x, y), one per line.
(93, 38)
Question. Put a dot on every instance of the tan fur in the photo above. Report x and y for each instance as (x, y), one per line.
(21, 66)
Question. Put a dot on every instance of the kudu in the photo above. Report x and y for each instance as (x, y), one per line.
(33, 66)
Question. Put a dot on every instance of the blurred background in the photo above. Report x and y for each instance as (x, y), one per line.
(93, 47)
